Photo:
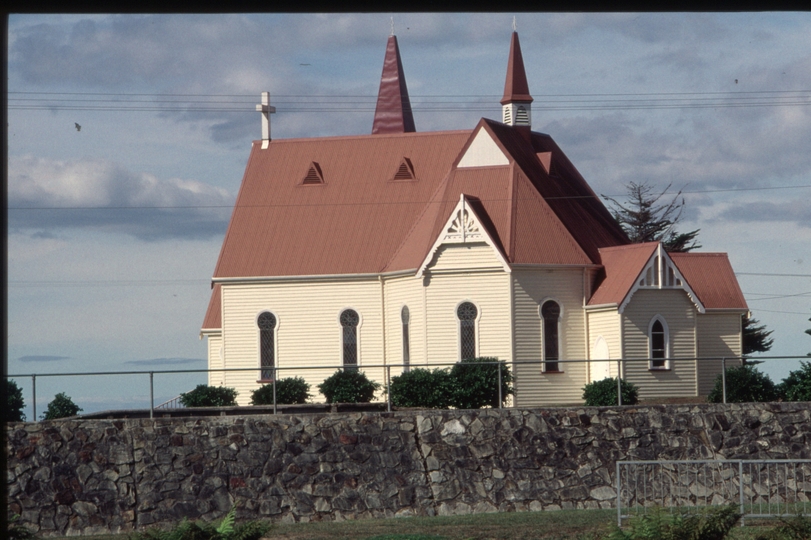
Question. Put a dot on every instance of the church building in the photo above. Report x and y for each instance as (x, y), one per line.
(404, 248)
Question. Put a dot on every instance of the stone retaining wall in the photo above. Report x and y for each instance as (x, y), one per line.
(74, 477)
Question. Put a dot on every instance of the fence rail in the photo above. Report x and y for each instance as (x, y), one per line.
(761, 488)
(723, 362)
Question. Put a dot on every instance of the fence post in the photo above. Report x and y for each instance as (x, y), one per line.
(151, 394)
(740, 489)
(274, 392)
(498, 366)
(388, 388)
(34, 390)
(724, 378)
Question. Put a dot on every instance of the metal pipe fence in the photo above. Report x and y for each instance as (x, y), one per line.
(764, 488)
(621, 365)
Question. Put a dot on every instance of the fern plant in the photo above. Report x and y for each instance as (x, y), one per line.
(196, 530)
(712, 524)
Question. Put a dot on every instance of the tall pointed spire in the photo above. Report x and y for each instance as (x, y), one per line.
(516, 102)
(393, 111)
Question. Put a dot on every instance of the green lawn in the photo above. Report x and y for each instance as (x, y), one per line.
(558, 525)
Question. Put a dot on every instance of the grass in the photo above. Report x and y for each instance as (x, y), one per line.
(550, 525)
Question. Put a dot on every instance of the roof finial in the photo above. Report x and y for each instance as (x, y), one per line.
(392, 26)
(514, 23)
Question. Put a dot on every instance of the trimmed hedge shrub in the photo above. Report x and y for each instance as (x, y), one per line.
(422, 388)
(61, 407)
(475, 383)
(745, 384)
(604, 393)
(290, 390)
(348, 386)
(16, 404)
(797, 386)
(210, 396)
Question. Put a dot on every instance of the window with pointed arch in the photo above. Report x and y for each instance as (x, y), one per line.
(550, 315)
(405, 317)
(658, 340)
(467, 312)
(267, 344)
(349, 338)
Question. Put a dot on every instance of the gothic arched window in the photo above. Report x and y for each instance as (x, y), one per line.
(550, 313)
(405, 316)
(467, 313)
(267, 344)
(349, 337)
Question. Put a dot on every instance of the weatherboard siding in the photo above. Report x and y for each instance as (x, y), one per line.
(308, 334)
(530, 288)
(399, 292)
(606, 324)
(719, 335)
(680, 314)
(215, 378)
(471, 256)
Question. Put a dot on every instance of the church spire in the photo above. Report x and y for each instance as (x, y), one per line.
(393, 111)
(516, 103)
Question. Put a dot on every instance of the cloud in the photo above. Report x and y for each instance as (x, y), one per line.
(797, 211)
(42, 358)
(164, 361)
(46, 194)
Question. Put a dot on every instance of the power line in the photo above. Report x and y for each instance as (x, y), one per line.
(372, 203)
(771, 275)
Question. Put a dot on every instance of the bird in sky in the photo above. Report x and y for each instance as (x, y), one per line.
(78, 127)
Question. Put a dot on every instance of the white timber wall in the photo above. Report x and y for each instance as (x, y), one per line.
(215, 378)
(606, 323)
(466, 272)
(680, 314)
(719, 335)
(309, 332)
(404, 291)
(530, 288)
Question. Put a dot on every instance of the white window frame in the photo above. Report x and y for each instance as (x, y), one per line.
(476, 336)
(259, 343)
(667, 365)
(341, 333)
(406, 338)
(543, 334)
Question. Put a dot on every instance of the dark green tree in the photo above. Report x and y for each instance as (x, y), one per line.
(809, 333)
(645, 219)
(745, 384)
(16, 404)
(428, 389)
(475, 382)
(797, 386)
(604, 393)
(61, 407)
(292, 390)
(755, 338)
(348, 386)
(210, 396)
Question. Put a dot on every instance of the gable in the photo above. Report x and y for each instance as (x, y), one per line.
(465, 227)
(483, 152)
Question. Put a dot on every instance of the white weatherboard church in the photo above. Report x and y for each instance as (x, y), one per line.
(408, 248)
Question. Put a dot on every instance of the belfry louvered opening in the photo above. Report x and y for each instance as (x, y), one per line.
(314, 174)
(405, 171)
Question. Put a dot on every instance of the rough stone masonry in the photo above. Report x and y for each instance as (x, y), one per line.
(70, 477)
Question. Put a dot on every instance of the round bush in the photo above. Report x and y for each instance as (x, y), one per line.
(422, 388)
(475, 383)
(209, 396)
(348, 386)
(290, 390)
(61, 407)
(797, 386)
(744, 384)
(16, 404)
(604, 393)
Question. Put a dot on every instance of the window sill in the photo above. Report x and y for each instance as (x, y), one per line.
(552, 372)
(265, 381)
(659, 369)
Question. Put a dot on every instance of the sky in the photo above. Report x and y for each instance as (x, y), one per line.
(128, 136)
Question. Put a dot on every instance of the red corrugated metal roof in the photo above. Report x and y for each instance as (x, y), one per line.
(393, 112)
(711, 277)
(516, 87)
(621, 267)
(213, 318)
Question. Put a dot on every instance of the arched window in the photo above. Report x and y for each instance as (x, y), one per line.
(467, 313)
(405, 316)
(267, 344)
(550, 313)
(658, 340)
(349, 333)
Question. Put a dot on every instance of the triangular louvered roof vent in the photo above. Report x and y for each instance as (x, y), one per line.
(405, 171)
(314, 174)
